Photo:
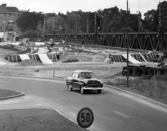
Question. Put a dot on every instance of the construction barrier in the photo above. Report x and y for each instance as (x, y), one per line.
(138, 57)
(131, 59)
(24, 57)
(44, 58)
(13, 58)
(144, 71)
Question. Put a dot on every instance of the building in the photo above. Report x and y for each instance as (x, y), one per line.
(8, 26)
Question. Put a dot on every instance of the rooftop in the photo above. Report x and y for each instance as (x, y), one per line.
(5, 9)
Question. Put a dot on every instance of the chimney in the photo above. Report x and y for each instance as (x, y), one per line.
(4, 5)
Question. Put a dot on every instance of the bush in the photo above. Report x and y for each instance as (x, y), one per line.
(161, 88)
(29, 63)
(70, 58)
(110, 83)
(85, 58)
(143, 85)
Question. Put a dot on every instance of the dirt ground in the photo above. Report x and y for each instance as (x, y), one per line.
(63, 70)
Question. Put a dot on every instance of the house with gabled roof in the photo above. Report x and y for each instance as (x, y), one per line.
(8, 17)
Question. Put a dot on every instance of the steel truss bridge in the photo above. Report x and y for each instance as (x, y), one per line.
(136, 40)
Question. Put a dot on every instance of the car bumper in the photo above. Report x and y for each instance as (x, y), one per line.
(93, 88)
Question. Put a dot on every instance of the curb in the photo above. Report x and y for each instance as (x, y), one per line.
(14, 96)
(109, 86)
(65, 116)
(59, 79)
(139, 96)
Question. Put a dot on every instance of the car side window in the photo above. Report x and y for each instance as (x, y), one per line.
(79, 75)
(76, 75)
(73, 75)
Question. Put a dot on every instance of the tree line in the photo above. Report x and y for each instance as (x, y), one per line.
(107, 20)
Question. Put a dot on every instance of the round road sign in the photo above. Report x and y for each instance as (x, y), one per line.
(85, 117)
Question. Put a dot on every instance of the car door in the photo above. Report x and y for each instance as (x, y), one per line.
(77, 80)
(70, 79)
(74, 81)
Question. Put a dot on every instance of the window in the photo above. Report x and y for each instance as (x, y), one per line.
(76, 75)
(87, 75)
(73, 75)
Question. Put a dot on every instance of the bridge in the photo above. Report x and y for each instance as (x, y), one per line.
(137, 40)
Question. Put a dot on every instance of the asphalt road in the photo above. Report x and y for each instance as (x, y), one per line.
(113, 111)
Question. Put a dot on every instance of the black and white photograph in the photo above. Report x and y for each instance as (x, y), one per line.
(83, 65)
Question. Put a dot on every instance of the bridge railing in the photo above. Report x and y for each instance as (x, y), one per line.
(136, 40)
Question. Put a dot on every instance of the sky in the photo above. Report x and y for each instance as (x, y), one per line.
(55, 6)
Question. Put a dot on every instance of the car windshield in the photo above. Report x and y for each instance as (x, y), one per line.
(87, 75)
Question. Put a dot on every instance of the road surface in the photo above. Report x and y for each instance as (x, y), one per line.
(113, 111)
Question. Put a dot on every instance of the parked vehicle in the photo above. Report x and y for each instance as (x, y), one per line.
(84, 80)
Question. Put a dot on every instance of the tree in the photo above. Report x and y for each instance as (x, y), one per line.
(28, 21)
(149, 20)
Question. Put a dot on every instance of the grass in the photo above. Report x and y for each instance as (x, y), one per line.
(8, 93)
(154, 89)
(35, 120)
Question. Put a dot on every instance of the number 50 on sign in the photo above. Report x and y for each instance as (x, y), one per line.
(85, 117)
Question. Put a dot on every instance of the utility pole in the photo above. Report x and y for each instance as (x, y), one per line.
(87, 24)
(53, 24)
(159, 15)
(127, 46)
(44, 24)
(66, 26)
(139, 22)
(76, 25)
(95, 28)
(161, 32)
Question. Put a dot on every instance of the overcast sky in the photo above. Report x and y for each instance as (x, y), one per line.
(55, 6)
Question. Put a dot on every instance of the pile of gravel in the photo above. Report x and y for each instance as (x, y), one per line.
(29, 63)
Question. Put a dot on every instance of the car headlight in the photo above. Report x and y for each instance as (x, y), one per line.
(101, 82)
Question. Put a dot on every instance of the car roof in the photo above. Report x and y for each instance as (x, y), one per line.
(78, 71)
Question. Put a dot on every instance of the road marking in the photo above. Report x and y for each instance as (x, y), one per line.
(121, 114)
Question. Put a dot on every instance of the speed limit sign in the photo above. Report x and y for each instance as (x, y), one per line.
(85, 117)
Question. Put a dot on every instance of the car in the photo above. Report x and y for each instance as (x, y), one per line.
(84, 80)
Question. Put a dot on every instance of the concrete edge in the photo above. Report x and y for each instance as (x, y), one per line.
(109, 86)
(68, 118)
(137, 95)
(14, 96)
(56, 78)
(65, 116)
